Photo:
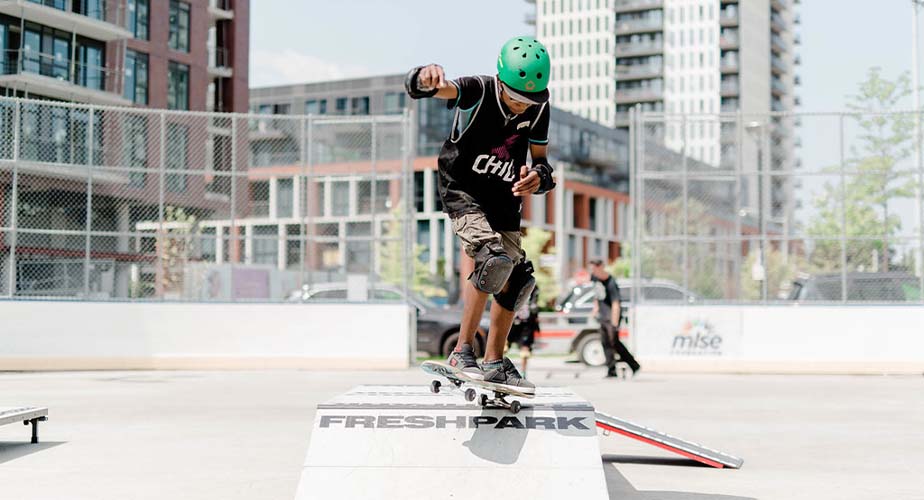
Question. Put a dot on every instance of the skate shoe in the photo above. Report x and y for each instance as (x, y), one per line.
(504, 374)
(465, 361)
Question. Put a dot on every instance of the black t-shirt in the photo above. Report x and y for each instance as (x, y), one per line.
(481, 160)
(606, 298)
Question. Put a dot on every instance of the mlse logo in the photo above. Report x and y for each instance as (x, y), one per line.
(698, 338)
(490, 164)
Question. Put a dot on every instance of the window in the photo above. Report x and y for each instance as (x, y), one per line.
(394, 103)
(179, 26)
(139, 12)
(177, 142)
(134, 148)
(316, 107)
(136, 77)
(265, 244)
(259, 198)
(90, 70)
(177, 86)
(360, 106)
(341, 105)
(284, 191)
(340, 198)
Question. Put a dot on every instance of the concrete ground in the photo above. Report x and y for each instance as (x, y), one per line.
(243, 435)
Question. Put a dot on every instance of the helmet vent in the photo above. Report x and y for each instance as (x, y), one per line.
(522, 74)
(539, 76)
(516, 48)
(524, 55)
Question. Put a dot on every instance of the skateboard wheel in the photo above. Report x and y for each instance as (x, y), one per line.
(515, 407)
(435, 387)
(483, 400)
(470, 394)
(457, 383)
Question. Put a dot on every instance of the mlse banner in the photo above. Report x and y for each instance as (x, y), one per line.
(782, 333)
(665, 331)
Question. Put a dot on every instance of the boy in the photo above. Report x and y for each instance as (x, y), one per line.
(482, 179)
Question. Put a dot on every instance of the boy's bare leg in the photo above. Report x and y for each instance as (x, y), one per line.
(472, 310)
(501, 321)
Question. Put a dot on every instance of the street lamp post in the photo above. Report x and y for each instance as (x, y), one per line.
(916, 99)
(755, 129)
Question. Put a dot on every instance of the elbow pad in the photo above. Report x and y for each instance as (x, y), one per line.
(544, 170)
(412, 86)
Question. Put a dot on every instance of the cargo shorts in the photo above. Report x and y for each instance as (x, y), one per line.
(474, 231)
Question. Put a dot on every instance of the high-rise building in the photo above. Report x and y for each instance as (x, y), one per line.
(685, 57)
(678, 56)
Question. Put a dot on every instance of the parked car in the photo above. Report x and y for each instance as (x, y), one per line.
(437, 326)
(893, 286)
(572, 329)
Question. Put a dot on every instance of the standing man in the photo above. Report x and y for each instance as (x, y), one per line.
(483, 177)
(608, 308)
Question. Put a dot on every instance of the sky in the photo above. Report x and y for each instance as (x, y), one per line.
(297, 41)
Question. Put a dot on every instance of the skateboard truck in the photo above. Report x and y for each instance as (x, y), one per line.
(498, 401)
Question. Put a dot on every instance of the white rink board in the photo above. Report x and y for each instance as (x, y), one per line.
(61, 335)
(384, 442)
(806, 334)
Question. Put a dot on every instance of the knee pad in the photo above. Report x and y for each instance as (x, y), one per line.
(492, 268)
(521, 285)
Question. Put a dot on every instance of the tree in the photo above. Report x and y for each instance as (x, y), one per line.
(392, 264)
(874, 180)
(178, 243)
(533, 243)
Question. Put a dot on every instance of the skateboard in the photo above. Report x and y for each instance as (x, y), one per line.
(458, 379)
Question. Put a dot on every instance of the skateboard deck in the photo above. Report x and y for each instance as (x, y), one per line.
(458, 378)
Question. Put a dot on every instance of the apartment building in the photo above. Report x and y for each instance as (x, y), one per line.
(73, 59)
(588, 212)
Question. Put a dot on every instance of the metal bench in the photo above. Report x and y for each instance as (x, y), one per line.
(26, 416)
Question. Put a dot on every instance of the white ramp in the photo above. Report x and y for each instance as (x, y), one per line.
(386, 442)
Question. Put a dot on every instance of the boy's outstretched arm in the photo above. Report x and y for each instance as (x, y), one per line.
(429, 81)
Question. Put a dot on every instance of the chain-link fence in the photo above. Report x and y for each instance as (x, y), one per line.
(136, 204)
(806, 208)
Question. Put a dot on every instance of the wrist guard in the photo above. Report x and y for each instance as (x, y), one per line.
(544, 170)
(412, 86)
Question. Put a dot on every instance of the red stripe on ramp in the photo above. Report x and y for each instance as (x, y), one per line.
(711, 463)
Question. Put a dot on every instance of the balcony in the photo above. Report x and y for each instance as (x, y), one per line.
(639, 72)
(777, 66)
(628, 96)
(639, 49)
(106, 21)
(220, 62)
(58, 78)
(730, 88)
(778, 43)
(729, 65)
(220, 10)
(530, 18)
(777, 23)
(728, 18)
(274, 159)
(623, 6)
(778, 4)
(728, 41)
(778, 88)
(638, 26)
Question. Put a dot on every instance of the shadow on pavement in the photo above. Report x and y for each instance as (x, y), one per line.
(635, 459)
(12, 451)
(619, 488)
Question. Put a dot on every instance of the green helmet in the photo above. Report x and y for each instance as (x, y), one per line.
(524, 66)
